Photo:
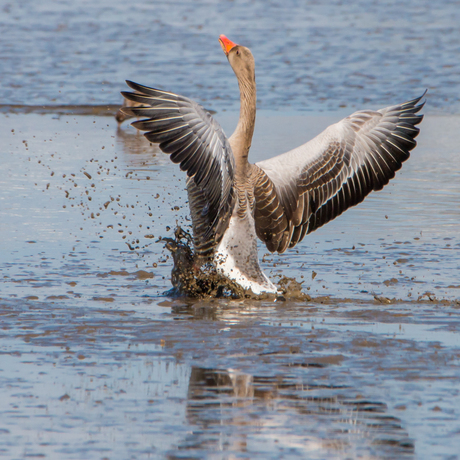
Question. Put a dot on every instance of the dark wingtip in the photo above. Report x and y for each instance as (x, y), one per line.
(420, 97)
(130, 96)
(422, 104)
(133, 85)
(413, 103)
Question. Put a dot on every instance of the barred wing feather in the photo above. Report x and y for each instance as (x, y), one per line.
(303, 189)
(198, 144)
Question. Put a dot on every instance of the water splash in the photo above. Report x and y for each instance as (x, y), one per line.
(190, 279)
(203, 281)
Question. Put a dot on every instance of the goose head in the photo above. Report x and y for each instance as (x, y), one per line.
(240, 59)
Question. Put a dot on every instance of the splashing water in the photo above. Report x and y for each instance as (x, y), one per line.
(191, 280)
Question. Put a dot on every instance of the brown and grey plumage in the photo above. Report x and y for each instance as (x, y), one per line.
(282, 199)
(307, 187)
(196, 141)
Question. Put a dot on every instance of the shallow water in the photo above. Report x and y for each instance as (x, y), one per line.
(96, 362)
(79, 194)
(144, 380)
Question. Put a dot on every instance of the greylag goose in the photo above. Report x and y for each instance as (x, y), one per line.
(232, 202)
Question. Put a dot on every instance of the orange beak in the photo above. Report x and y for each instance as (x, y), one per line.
(226, 44)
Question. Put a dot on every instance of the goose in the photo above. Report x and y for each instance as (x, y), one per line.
(233, 202)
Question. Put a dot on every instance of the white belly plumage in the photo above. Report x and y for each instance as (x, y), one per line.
(236, 256)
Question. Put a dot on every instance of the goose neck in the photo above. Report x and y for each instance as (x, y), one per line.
(245, 128)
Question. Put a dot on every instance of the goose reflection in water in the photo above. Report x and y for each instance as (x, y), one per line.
(236, 412)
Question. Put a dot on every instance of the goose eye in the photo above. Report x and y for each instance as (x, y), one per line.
(237, 52)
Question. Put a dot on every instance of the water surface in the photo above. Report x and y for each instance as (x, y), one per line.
(96, 362)
(310, 55)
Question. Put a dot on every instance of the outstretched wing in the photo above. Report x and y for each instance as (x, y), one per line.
(301, 190)
(197, 142)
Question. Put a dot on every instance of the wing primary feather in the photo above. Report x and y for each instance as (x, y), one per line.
(196, 141)
(318, 181)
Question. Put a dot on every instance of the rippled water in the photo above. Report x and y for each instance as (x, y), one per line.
(270, 381)
(310, 55)
(96, 362)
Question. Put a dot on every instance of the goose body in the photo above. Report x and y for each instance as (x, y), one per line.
(236, 256)
(280, 200)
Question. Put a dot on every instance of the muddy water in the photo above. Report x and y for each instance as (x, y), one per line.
(97, 362)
